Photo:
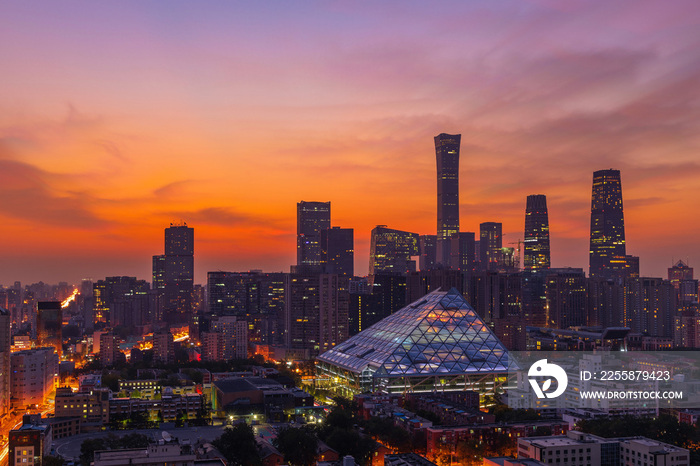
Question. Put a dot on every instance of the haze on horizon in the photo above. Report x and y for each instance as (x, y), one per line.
(118, 119)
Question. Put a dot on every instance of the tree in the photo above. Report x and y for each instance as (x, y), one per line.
(49, 460)
(88, 449)
(111, 381)
(139, 420)
(238, 445)
(298, 446)
(350, 442)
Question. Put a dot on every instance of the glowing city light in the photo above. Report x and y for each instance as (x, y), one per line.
(69, 299)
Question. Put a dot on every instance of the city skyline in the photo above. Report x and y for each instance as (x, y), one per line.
(105, 141)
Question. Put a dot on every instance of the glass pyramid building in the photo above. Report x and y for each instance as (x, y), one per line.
(435, 343)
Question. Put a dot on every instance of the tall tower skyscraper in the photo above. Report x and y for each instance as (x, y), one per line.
(607, 252)
(536, 256)
(179, 272)
(491, 245)
(312, 218)
(447, 155)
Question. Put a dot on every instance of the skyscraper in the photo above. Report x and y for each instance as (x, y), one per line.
(390, 251)
(337, 251)
(536, 256)
(428, 253)
(491, 243)
(312, 218)
(463, 252)
(566, 298)
(607, 251)
(49, 325)
(179, 272)
(316, 311)
(681, 277)
(447, 155)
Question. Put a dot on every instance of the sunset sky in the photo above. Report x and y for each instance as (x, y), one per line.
(117, 119)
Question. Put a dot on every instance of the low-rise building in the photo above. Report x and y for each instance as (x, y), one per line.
(640, 451)
(88, 406)
(507, 461)
(440, 436)
(406, 459)
(154, 455)
(31, 442)
(578, 448)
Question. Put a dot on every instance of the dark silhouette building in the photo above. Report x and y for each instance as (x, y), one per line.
(447, 154)
(316, 311)
(463, 252)
(255, 297)
(427, 248)
(49, 324)
(312, 219)
(173, 273)
(681, 277)
(536, 255)
(567, 301)
(338, 251)
(651, 306)
(122, 301)
(491, 245)
(425, 281)
(608, 256)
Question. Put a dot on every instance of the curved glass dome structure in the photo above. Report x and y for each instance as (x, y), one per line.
(435, 343)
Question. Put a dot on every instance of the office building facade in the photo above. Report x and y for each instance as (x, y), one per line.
(607, 242)
(391, 251)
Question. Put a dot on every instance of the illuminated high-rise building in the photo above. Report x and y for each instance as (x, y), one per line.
(536, 256)
(178, 276)
(33, 376)
(447, 155)
(312, 218)
(607, 251)
(390, 251)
